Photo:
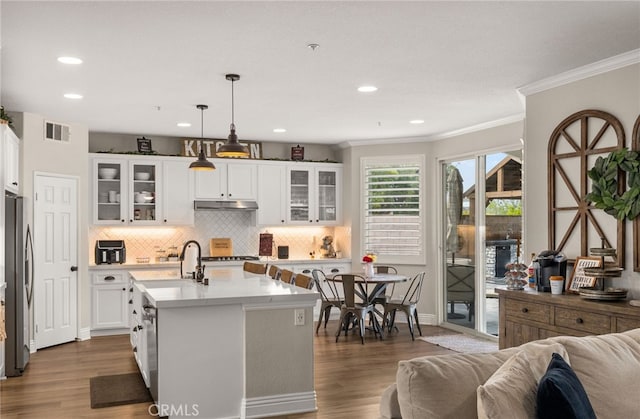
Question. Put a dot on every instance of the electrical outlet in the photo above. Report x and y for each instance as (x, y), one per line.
(299, 317)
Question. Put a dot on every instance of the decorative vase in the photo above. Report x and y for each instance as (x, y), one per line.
(368, 270)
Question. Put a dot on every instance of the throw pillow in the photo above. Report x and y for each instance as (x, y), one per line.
(561, 395)
(513, 387)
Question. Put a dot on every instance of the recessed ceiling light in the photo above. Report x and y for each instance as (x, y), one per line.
(367, 89)
(72, 96)
(183, 124)
(70, 60)
(279, 130)
(417, 121)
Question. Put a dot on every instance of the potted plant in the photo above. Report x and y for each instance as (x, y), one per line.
(5, 118)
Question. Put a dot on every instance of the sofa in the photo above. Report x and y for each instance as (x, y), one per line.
(505, 383)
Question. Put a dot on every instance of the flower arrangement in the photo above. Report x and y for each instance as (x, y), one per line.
(369, 258)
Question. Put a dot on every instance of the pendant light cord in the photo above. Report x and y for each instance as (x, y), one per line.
(232, 105)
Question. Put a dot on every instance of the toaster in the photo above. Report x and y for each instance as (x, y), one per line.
(110, 251)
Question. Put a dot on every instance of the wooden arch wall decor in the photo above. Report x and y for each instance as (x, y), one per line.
(635, 145)
(577, 141)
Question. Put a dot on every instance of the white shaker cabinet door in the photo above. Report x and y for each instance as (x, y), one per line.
(177, 204)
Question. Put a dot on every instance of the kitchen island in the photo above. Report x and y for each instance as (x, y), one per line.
(228, 349)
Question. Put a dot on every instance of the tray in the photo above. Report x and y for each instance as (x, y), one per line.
(608, 294)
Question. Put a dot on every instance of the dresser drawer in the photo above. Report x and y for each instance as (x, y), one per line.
(109, 277)
(528, 310)
(623, 324)
(582, 320)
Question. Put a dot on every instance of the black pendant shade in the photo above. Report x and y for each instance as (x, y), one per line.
(232, 148)
(202, 163)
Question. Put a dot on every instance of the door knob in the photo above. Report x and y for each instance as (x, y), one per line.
(74, 268)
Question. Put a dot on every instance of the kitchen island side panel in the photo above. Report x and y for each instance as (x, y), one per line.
(200, 360)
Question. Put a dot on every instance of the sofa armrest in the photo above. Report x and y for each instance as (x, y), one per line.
(389, 406)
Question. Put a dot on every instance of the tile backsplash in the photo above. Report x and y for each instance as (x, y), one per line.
(237, 225)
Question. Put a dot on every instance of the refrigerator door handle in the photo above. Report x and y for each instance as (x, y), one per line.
(28, 268)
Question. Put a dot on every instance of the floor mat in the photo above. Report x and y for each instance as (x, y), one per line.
(462, 343)
(114, 390)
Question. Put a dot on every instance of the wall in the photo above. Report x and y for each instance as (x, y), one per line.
(237, 225)
(110, 142)
(500, 138)
(71, 160)
(616, 92)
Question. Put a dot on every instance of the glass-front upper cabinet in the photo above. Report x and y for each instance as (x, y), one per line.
(314, 195)
(299, 196)
(143, 193)
(109, 191)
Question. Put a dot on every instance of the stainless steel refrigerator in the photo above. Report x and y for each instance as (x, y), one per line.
(18, 275)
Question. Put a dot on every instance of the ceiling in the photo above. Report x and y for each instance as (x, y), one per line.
(146, 65)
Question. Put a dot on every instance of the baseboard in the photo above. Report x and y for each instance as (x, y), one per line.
(108, 332)
(281, 404)
(32, 346)
(84, 334)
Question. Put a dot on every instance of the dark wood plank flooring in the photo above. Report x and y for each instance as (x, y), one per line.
(349, 376)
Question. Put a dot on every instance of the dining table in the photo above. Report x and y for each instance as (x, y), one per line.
(380, 282)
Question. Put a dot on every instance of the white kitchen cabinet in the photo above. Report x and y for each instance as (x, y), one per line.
(110, 177)
(177, 195)
(11, 160)
(272, 194)
(145, 192)
(110, 300)
(230, 181)
(314, 194)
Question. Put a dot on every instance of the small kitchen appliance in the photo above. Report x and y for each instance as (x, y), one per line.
(549, 263)
(110, 251)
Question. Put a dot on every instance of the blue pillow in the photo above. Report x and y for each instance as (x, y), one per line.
(560, 393)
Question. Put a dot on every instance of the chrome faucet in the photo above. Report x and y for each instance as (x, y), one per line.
(199, 273)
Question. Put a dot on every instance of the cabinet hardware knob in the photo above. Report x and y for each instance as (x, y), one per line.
(525, 310)
(221, 194)
(124, 289)
(135, 349)
(134, 312)
(109, 278)
(14, 183)
(282, 221)
(140, 327)
(130, 220)
(579, 320)
(74, 268)
(122, 220)
(130, 301)
(135, 328)
(165, 220)
(230, 195)
(317, 221)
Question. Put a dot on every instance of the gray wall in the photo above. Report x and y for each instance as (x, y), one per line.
(616, 92)
(105, 142)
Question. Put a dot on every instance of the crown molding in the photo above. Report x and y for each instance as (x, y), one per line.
(441, 136)
(589, 70)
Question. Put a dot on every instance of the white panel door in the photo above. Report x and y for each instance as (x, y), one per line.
(55, 247)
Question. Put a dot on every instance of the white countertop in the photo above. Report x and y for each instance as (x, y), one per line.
(226, 286)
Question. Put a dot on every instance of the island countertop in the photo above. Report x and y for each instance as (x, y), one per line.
(226, 286)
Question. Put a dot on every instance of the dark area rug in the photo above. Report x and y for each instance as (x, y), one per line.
(115, 390)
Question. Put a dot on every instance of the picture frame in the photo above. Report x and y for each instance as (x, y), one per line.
(297, 153)
(144, 145)
(578, 279)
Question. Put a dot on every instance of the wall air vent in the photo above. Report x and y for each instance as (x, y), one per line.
(56, 132)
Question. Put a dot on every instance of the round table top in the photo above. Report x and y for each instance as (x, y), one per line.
(377, 278)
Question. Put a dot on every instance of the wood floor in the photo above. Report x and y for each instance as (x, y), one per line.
(349, 376)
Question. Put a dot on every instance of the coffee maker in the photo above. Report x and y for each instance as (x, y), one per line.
(549, 263)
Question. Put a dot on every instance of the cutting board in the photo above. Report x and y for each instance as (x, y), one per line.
(220, 247)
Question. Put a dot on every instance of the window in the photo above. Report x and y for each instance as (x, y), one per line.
(392, 203)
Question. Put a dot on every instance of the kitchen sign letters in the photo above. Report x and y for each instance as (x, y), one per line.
(191, 148)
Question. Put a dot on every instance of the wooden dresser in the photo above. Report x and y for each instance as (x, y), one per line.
(531, 315)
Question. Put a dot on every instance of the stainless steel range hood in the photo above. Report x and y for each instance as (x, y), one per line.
(225, 205)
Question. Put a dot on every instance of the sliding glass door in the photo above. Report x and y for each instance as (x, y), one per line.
(482, 233)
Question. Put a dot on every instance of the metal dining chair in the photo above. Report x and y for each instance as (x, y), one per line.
(384, 269)
(351, 308)
(408, 304)
(328, 295)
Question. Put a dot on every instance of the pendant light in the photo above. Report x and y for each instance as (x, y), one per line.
(232, 148)
(202, 163)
